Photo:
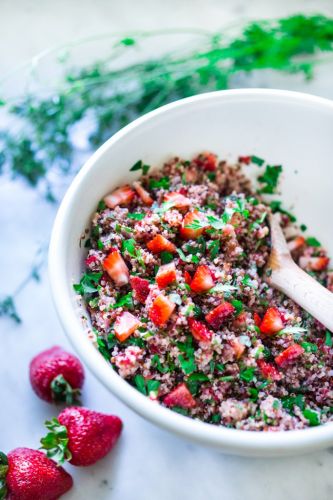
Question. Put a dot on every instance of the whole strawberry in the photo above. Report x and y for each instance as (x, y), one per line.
(56, 376)
(27, 474)
(81, 436)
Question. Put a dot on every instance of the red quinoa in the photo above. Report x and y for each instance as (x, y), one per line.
(175, 289)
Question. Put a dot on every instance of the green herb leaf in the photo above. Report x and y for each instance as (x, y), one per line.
(248, 375)
(140, 384)
(123, 301)
(257, 161)
(136, 216)
(313, 242)
(166, 257)
(162, 183)
(328, 339)
(88, 283)
(270, 177)
(312, 416)
(276, 207)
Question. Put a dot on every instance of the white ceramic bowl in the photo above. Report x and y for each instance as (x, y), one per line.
(292, 129)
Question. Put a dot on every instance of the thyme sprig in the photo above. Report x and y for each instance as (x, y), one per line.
(110, 93)
(7, 303)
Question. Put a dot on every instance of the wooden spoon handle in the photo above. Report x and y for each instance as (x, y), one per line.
(305, 291)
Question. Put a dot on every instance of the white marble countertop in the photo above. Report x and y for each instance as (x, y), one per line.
(148, 463)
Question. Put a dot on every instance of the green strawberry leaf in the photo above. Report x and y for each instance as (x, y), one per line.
(55, 443)
(63, 392)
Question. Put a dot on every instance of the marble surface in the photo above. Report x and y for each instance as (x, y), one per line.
(148, 463)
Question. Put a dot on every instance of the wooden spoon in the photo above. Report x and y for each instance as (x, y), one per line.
(298, 285)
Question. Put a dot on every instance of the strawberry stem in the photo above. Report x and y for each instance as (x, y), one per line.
(3, 474)
(63, 392)
(55, 443)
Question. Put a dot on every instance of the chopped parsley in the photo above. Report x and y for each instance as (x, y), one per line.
(195, 380)
(290, 401)
(309, 347)
(248, 375)
(276, 207)
(313, 242)
(166, 257)
(213, 248)
(270, 178)
(136, 216)
(146, 387)
(156, 363)
(238, 305)
(257, 161)
(130, 247)
(88, 283)
(162, 183)
(312, 416)
(123, 301)
(139, 165)
(328, 339)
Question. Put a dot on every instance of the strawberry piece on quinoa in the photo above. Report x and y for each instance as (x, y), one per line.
(238, 348)
(140, 288)
(187, 277)
(180, 396)
(272, 322)
(206, 161)
(319, 263)
(166, 275)
(177, 200)
(121, 196)
(288, 355)
(200, 331)
(161, 244)
(296, 243)
(161, 310)
(193, 226)
(268, 370)
(257, 319)
(143, 194)
(202, 280)
(116, 268)
(219, 314)
(125, 325)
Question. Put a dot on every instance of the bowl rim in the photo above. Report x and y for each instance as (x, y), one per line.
(230, 440)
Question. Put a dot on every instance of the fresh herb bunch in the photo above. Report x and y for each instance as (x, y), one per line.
(113, 96)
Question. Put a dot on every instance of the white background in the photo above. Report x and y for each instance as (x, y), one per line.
(148, 463)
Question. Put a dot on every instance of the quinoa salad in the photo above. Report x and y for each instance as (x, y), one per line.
(175, 288)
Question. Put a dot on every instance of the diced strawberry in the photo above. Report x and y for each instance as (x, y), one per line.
(202, 279)
(238, 348)
(144, 195)
(140, 288)
(116, 268)
(161, 244)
(244, 159)
(166, 275)
(125, 325)
(178, 200)
(268, 370)
(121, 196)
(314, 263)
(319, 263)
(290, 354)
(240, 322)
(257, 319)
(92, 259)
(180, 396)
(271, 322)
(217, 316)
(161, 310)
(200, 331)
(187, 277)
(296, 243)
(206, 161)
(188, 233)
